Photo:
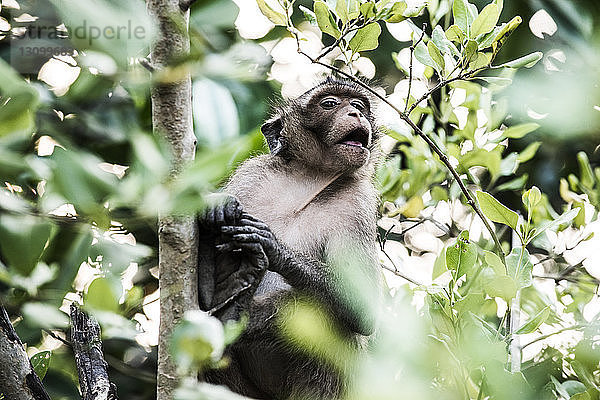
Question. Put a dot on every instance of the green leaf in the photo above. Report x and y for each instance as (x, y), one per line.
(518, 131)
(19, 102)
(414, 8)
(480, 60)
(439, 266)
(462, 16)
(581, 396)
(46, 316)
(397, 12)
(486, 21)
(519, 267)
(104, 294)
(22, 241)
(442, 43)
(503, 35)
(494, 261)
(341, 10)
(309, 15)
(527, 61)
(325, 20)
(496, 211)
(40, 363)
(366, 38)
(486, 40)
(529, 152)
(535, 322)
(367, 10)
(274, 16)
(513, 184)
(563, 219)
(532, 197)
(470, 51)
(422, 54)
(501, 286)
(455, 34)
(461, 256)
(586, 174)
(198, 340)
(436, 56)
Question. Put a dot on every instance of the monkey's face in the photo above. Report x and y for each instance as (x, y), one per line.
(344, 128)
(331, 127)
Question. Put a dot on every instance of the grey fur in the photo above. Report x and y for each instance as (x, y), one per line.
(326, 251)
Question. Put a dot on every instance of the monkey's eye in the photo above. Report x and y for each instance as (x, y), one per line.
(359, 105)
(329, 103)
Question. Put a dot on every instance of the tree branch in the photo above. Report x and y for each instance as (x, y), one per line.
(91, 367)
(410, 67)
(177, 235)
(18, 380)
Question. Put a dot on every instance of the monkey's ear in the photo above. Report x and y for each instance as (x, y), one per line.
(272, 132)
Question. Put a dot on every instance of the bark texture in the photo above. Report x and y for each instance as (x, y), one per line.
(91, 367)
(177, 235)
(18, 380)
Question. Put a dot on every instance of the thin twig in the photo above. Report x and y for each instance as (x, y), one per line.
(552, 334)
(410, 66)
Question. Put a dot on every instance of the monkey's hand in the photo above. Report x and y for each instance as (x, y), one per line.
(253, 232)
(221, 209)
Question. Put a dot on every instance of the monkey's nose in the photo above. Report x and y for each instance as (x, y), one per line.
(354, 114)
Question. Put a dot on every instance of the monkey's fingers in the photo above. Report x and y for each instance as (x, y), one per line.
(236, 230)
(257, 252)
(250, 217)
(254, 223)
(226, 247)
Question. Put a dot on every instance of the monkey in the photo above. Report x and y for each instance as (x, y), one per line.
(297, 222)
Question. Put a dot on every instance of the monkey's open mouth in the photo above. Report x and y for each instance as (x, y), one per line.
(358, 137)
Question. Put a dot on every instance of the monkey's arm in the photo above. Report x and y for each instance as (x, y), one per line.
(343, 283)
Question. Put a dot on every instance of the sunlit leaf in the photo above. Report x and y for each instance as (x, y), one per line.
(496, 211)
(534, 322)
(563, 219)
(529, 152)
(325, 20)
(397, 12)
(503, 35)
(41, 362)
(527, 61)
(461, 256)
(436, 56)
(274, 16)
(518, 131)
(519, 266)
(309, 15)
(44, 316)
(366, 38)
(462, 16)
(104, 294)
(494, 261)
(422, 54)
(455, 34)
(486, 20)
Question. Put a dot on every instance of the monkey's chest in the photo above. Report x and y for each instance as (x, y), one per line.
(301, 220)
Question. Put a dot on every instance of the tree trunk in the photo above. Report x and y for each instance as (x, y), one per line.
(91, 367)
(18, 380)
(178, 236)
